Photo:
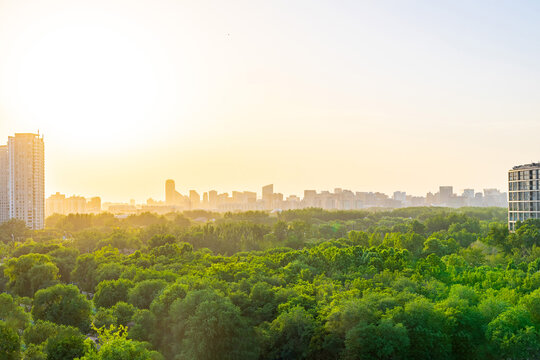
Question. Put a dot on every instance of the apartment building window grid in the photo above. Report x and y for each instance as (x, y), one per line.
(523, 194)
(26, 181)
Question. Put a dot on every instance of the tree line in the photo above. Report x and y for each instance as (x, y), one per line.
(418, 283)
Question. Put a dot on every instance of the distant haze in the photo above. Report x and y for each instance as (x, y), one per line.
(363, 95)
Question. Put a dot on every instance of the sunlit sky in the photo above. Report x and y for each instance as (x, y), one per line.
(305, 94)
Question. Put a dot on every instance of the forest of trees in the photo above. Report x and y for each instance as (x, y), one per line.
(412, 283)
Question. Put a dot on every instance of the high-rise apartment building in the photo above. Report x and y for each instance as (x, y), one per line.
(212, 198)
(170, 192)
(173, 197)
(445, 194)
(205, 199)
(76, 205)
(468, 193)
(26, 182)
(268, 195)
(55, 204)
(400, 196)
(523, 193)
(94, 205)
(194, 199)
(4, 181)
(60, 204)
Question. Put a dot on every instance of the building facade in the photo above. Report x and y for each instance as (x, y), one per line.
(94, 205)
(523, 194)
(4, 181)
(26, 182)
(60, 204)
(55, 204)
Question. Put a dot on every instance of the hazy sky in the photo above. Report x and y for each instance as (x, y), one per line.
(366, 95)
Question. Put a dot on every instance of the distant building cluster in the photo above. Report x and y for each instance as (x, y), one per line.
(22, 194)
(523, 193)
(446, 197)
(60, 204)
(339, 199)
(22, 180)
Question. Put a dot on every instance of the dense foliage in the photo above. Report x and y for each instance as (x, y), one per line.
(414, 283)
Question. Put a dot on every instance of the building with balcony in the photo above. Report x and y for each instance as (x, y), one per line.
(26, 180)
(4, 184)
(523, 193)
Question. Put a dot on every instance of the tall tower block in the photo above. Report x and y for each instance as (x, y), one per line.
(26, 181)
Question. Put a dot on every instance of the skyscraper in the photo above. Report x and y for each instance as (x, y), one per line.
(213, 198)
(94, 205)
(4, 180)
(26, 153)
(205, 199)
(445, 194)
(55, 204)
(194, 199)
(173, 197)
(267, 195)
(170, 192)
(523, 193)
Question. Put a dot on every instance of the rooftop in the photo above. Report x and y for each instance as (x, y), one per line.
(535, 165)
(18, 135)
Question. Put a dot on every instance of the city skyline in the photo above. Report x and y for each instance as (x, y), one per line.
(22, 193)
(144, 187)
(158, 193)
(268, 200)
(366, 95)
(151, 187)
(185, 192)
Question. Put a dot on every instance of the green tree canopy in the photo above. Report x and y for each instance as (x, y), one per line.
(10, 343)
(114, 345)
(385, 340)
(143, 293)
(109, 292)
(62, 304)
(68, 344)
(29, 273)
(290, 334)
(85, 272)
(12, 314)
(206, 325)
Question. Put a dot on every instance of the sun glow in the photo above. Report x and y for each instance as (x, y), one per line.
(92, 75)
(305, 93)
